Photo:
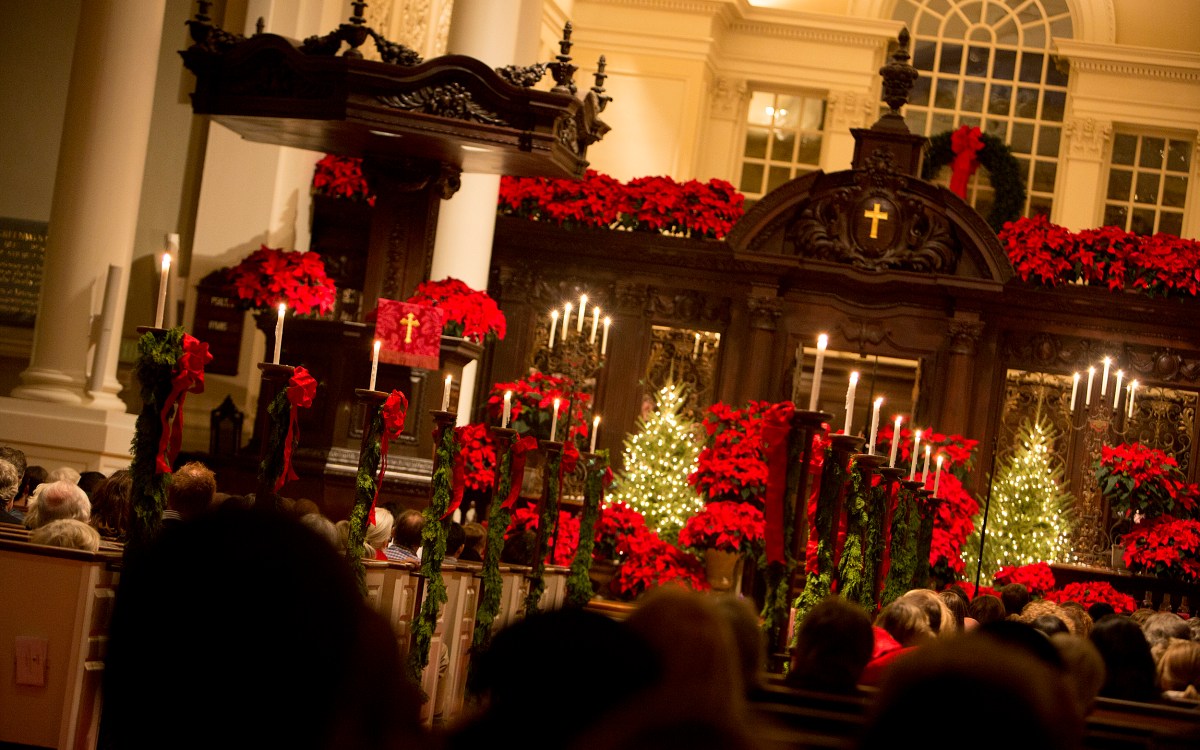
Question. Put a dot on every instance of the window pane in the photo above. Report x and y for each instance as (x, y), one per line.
(919, 96)
(1053, 105)
(1005, 64)
(1142, 221)
(777, 176)
(977, 61)
(756, 143)
(941, 123)
(752, 176)
(762, 108)
(813, 117)
(997, 128)
(1039, 206)
(1027, 101)
(1000, 102)
(1022, 138)
(1054, 76)
(1174, 191)
(972, 100)
(1147, 188)
(1171, 223)
(951, 61)
(1115, 216)
(1124, 147)
(1031, 67)
(783, 146)
(916, 121)
(945, 98)
(787, 111)
(1152, 153)
(1179, 156)
(810, 150)
(1007, 33)
(1061, 28)
(1043, 176)
(1120, 182)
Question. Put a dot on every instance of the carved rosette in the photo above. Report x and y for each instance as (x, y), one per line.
(964, 336)
(764, 312)
(1087, 137)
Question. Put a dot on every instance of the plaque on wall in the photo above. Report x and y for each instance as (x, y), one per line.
(22, 252)
(219, 320)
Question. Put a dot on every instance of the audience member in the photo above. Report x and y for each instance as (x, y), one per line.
(1078, 617)
(1179, 671)
(747, 636)
(1015, 596)
(111, 505)
(406, 537)
(1193, 624)
(57, 500)
(899, 628)
(67, 532)
(34, 477)
(1160, 627)
(190, 493)
(476, 542)
(1100, 609)
(456, 540)
(63, 474)
(1129, 667)
(520, 548)
(379, 534)
(1084, 669)
(89, 481)
(957, 604)
(1024, 636)
(986, 608)
(1140, 615)
(1039, 608)
(323, 528)
(10, 482)
(10, 492)
(14, 456)
(941, 619)
(834, 642)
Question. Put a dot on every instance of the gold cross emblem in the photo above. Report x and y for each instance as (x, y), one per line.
(876, 216)
(410, 323)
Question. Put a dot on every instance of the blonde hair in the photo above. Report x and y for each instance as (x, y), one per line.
(906, 621)
(1041, 607)
(380, 532)
(1179, 668)
(69, 533)
(934, 606)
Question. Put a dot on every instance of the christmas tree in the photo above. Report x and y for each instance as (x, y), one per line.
(657, 459)
(1028, 520)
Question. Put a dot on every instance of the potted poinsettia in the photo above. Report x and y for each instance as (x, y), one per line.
(1141, 484)
(1165, 547)
(468, 313)
(1037, 577)
(727, 532)
(270, 276)
(1087, 593)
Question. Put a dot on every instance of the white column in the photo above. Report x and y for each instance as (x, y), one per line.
(1080, 172)
(498, 32)
(93, 213)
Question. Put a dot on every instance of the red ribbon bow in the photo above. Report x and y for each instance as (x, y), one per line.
(189, 378)
(776, 426)
(966, 142)
(520, 451)
(570, 459)
(395, 409)
(300, 391)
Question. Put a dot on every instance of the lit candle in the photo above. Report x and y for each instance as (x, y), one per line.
(604, 340)
(1133, 386)
(814, 394)
(279, 331)
(554, 420)
(916, 451)
(937, 475)
(696, 348)
(1074, 390)
(1117, 390)
(850, 402)
(595, 323)
(582, 308)
(1087, 399)
(374, 364)
(566, 320)
(595, 431)
(895, 441)
(507, 409)
(925, 471)
(1104, 382)
(874, 425)
(446, 393)
(163, 280)
(553, 326)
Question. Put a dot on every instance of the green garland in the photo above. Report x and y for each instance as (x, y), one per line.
(1004, 173)
(924, 542)
(491, 585)
(778, 577)
(537, 578)
(853, 583)
(158, 355)
(875, 539)
(280, 413)
(579, 584)
(433, 551)
(820, 584)
(364, 497)
(904, 547)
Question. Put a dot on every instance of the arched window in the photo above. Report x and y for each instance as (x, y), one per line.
(988, 63)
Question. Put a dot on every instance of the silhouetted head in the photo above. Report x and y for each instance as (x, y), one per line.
(833, 645)
(1127, 659)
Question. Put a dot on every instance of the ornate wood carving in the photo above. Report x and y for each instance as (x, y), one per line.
(1047, 351)
(764, 312)
(727, 97)
(865, 331)
(687, 306)
(964, 336)
(450, 100)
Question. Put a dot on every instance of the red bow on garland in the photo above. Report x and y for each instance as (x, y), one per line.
(395, 409)
(189, 378)
(966, 142)
(776, 426)
(300, 391)
(570, 459)
(520, 451)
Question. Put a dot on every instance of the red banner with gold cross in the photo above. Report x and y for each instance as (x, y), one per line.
(411, 334)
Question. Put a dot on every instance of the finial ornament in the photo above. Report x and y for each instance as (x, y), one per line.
(898, 75)
(598, 89)
(562, 69)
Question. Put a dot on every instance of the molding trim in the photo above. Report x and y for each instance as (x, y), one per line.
(1134, 62)
(1087, 136)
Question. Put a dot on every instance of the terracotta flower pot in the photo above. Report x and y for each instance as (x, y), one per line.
(723, 569)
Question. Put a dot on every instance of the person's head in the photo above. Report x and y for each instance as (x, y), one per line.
(408, 527)
(906, 621)
(1079, 618)
(14, 456)
(476, 534)
(1084, 668)
(1140, 615)
(456, 539)
(1129, 667)
(1179, 668)
(986, 608)
(323, 527)
(67, 532)
(191, 490)
(379, 534)
(111, 506)
(833, 645)
(90, 480)
(10, 483)
(747, 636)
(1015, 596)
(63, 474)
(520, 548)
(1161, 627)
(941, 619)
(1100, 609)
(1040, 608)
(957, 604)
(58, 500)
(33, 477)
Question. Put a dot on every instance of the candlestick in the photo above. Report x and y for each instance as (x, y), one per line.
(566, 320)
(814, 394)
(374, 364)
(895, 442)
(1104, 382)
(554, 420)
(507, 409)
(874, 425)
(595, 431)
(925, 471)
(1117, 390)
(279, 331)
(1087, 399)
(553, 327)
(850, 402)
(163, 280)
(446, 393)
(604, 340)
(1074, 390)
(595, 323)
(916, 452)
(1133, 386)
(582, 309)
(937, 475)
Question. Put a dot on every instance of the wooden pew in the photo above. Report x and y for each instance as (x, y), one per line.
(1116, 725)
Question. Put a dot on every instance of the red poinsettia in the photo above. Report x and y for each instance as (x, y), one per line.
(560, 549)
(1166, 547)
(952, 524)
(1087, 593)
(342, 177)
(957, 449)
(653, 562)
(271, 275)
(469, 314)
(616, 526)
(476, 459)
(1138, 480)
(1037, 577)
(724, 526)
(733, 462)
(533, 406)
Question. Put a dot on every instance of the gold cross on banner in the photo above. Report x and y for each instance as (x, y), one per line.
(876, 216)
(410, 322)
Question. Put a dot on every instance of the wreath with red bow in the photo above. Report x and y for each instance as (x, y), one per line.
(965, 149)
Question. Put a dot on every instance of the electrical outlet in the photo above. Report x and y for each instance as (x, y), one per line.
(31, 657)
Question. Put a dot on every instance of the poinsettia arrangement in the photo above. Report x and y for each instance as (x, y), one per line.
(647, 204)
(469, 314)
(1037, 577)
(1087, 593)
(617, 524)
(725, 526)
(733, 464)
(1139, 481)
(475, 461)
(272, 275)
(653, 562)
(533, 406)
(566, 536)
(342, 177)
(1166, 547)
(1158, 265)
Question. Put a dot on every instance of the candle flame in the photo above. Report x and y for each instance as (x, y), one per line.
(554, 314)
(378, 344)
(607, 321)
(854, 377)
(166, 262)
(939, 460)
(282, 309)
(822, 341)
(879, 402)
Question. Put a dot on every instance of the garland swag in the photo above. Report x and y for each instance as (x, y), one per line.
(579, 584)
(549, 517)
(433, 546)
(1004, 173)
(876, 541)
(853, 583)
(778, 577)
(819, 585)
(905, 523)
(491, 585)
(364, 498)
(928, 510)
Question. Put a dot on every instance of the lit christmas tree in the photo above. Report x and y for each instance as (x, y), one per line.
(1029, 519)
(658, 458)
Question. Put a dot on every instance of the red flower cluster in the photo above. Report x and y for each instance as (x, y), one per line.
(341, 177)
(470, 314)
(956, 448)
(1088, 593)
(533, 406)
(617, 524)
(476, 459)
(724, 526)
(733, 462)
(1137, 479)
(1159, 265)
(952, 524)
(271, 275)
(647, 204)
(1166, 547)
(652, 562)
(1037, 577)
(567, 534)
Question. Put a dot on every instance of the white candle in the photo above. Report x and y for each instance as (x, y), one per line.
(582, 309)
(916, 451)
(446, 393)
(1074, 390)
(1117, 390)
(814, 394)
(553, 326)
(554, 420)
(566, 320)
(1087, 399)
(1104, 382)
(850, 402)
(604, 340)
(595, 323)
(374, 364)
(507, 409)
(925, 471)
(937, 476)
(595, 431)
(874, 425)
(1133, 385)
(163, 280)
(895, 441)
(696, 348)
(279, 331)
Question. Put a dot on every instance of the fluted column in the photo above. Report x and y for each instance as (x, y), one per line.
(764, 315)
(963, 339)
(97, 188)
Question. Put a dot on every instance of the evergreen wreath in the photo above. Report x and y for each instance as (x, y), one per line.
(579, 584)
(1004, 173)
(158, 354)
(905, 522)
(549, 517)
(852, 583)
(778, 578)
(819, 585)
